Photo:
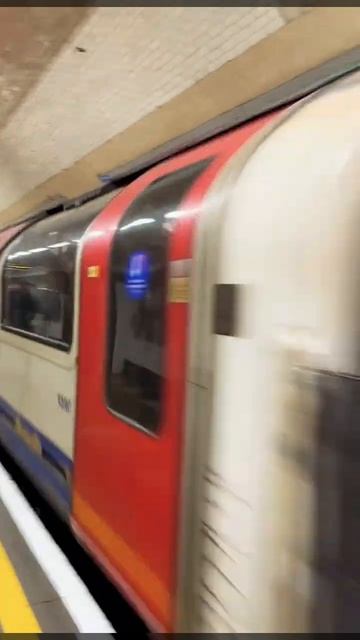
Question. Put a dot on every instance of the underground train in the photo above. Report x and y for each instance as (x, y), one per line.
(179, 373)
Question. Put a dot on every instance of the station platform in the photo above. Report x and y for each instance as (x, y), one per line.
(39, 590)
(28, 602)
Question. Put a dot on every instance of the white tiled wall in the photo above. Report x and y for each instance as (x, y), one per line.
(135, 60)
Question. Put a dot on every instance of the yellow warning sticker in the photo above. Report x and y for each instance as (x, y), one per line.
(93, 271)
(179, 290)
(30, 438)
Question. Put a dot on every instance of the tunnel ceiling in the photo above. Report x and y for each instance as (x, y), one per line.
(84, 90)
(30, 37)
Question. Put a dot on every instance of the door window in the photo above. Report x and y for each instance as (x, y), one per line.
(138, 295)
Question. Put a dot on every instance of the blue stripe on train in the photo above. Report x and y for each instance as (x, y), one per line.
(50, 470)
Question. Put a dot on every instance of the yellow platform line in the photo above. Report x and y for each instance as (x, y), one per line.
(16, 615)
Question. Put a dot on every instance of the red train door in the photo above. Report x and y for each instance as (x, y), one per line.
(132, 366)
(131, 386)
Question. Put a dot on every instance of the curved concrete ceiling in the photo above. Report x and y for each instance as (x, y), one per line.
(115, 82)
(30, 37)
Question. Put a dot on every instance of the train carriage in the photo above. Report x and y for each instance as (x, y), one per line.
(151, 346)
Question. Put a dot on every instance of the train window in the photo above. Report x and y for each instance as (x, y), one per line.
(138, 293)
(39, 277)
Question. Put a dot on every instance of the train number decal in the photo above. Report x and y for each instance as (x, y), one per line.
(64, 403)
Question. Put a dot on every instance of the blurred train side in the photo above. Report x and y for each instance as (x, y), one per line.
(223, 511)
(280, 524)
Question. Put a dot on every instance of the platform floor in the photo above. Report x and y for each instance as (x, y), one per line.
(40, 591)
(28, 602)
